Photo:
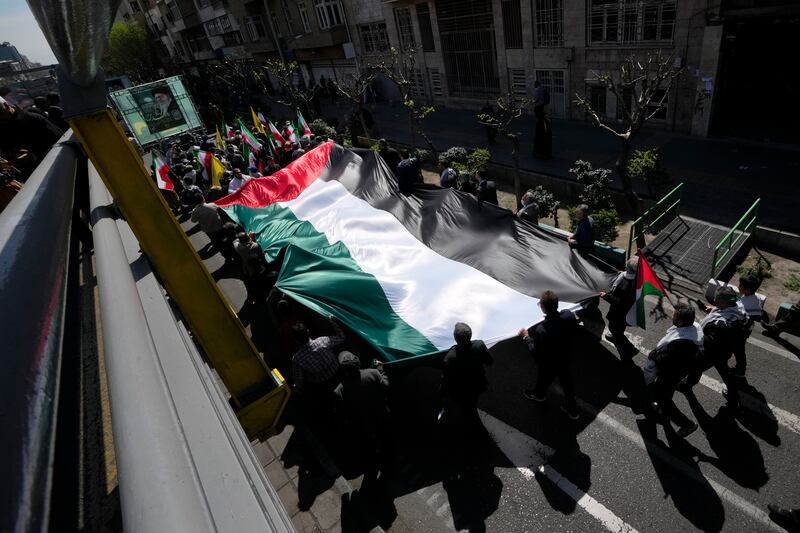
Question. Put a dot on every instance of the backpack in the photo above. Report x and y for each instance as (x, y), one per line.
(546, 96)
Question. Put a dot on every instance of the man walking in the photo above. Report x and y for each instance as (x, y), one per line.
(486, 189)
(463, 374)
(543, 140)
(389, 155)
(675, 356)
(621, 298)
(550, 341)
(408, 172)
(583, 238)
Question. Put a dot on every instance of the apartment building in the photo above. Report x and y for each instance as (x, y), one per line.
(468, 51)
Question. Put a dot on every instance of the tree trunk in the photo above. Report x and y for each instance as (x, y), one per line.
(627, 184)
(412, 130)
(555, 217)
(517, 177)
(364, 124)
(429, 142)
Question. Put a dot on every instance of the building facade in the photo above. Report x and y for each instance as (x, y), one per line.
(468, 51)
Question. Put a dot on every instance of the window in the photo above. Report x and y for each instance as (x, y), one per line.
(517, 83)
(135, 7)
(425, 28)
(275, 24)
(658, 106)
(196, 39)
(329, 13)
(174, 11)
(549, 23)
(374, 39)
(512, 24)
(405, 32)
(232, 38)
(179, 49)
(287, 14)
(436, 81)
(553, 81)
(630, 21)
(624, 103)
(301, 6)
(203, 3)
(225, 23)
(597, 99)
(417, 83)
(255, 27)
(212, 27)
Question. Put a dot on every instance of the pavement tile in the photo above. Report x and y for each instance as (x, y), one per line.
(288, 496)
(278, 442)
(264, 453)
(276, 474)
(336, 528)
(305, 523)
(327, 508)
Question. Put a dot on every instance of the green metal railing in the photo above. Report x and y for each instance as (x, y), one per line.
(744, 226)
(649, 218)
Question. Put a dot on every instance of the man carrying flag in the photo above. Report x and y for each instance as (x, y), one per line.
(646, 283)
(213, 167)
(249, 140)
(290, 133)
(161, 171)
(228, 131)
(306, 131)
(621, 296)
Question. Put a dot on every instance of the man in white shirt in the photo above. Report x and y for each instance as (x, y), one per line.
(237, 181)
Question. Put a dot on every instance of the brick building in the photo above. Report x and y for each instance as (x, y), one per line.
(472, 50)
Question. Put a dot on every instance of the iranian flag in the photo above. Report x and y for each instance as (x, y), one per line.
(250, 139)
(276, 135)
(303, 125)
(161, 171)
(290, 133)
(646, 283)
(228, 131)
(399, 270)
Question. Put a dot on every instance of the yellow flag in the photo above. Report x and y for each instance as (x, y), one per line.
(257, 123)
(217, 170)
(220, 142)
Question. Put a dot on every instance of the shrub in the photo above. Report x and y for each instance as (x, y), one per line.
(605, 223)
(478, 159)
(595, 183)
(647, 166)
(454, 154)
(425, 156)
(320, 127)
(760, 268)
(548, 205)
(792, 282)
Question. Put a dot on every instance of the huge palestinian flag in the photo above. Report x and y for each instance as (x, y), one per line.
(402, 270)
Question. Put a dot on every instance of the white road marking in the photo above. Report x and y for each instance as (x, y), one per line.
(664, 456)
(788, 420)
(529, 455)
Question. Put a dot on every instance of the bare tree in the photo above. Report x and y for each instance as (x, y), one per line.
(400, 68)
(509, 108)
(641, 87)
(354, 88)
(293, 93)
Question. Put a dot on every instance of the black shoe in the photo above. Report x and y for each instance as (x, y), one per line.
(572, 414)
(738, 372)
(771, 331)
(787, 518)
(688, 430)
(529, 394)
(733, 405)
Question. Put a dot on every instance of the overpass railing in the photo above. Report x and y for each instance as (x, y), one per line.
(669, 204)
(742, 229)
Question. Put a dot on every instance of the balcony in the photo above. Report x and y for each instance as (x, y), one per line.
(319, 39)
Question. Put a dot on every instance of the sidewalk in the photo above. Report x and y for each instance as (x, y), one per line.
(723, 177)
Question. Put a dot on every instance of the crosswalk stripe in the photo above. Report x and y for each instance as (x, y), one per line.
(786, 419)
(529, 456)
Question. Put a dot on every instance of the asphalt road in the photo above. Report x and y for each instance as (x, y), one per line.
(612, 470)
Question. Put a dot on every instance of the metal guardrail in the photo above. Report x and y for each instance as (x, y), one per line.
(184, 462)
(745, 226)
(649, 218)
(34, 249)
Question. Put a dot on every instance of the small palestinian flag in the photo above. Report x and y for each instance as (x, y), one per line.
(161, 171)
(646, 283)
(249, 138)
(276, 135)
(303, 125)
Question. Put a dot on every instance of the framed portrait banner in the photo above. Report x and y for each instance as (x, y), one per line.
(157, 110)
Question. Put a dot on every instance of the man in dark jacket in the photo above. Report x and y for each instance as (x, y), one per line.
(675, 356)
(362, 408)
(583, 238)
(486, 190)
(550, 341)
(621, 298)
(408, 172)
(25, 138)
(389, 155)
(723, 329)
(463, 374)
